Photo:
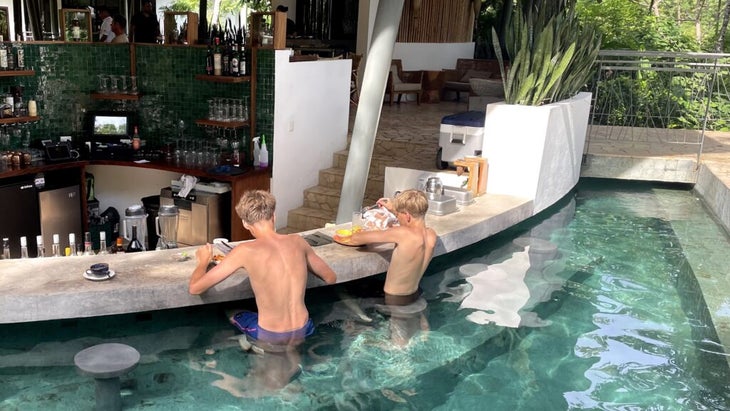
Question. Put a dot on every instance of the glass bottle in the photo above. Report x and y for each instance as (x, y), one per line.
(75, 29)
(217, 58)
(20, 56)
(56, 247)
(102, 243)
(87, 244)
(23, 247)
(39, 244)
(6, 248)
(3, 57)
(136, 141)
(134, 244)
(71, 251)
(119, 247)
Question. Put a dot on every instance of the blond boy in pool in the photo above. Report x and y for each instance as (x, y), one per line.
(277, 266)
(414, 244)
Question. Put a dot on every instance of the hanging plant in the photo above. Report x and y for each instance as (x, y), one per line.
(551, 55)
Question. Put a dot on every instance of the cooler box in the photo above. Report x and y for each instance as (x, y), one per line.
(461, 135)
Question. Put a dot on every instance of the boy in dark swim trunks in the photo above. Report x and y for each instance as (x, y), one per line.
(277, 266)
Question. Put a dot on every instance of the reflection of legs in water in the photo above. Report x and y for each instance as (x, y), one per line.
(272, 370)
(406, 316)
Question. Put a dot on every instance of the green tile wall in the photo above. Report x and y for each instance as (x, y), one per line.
(66, 75)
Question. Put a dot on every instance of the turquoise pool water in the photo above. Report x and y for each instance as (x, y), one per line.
(591, 305)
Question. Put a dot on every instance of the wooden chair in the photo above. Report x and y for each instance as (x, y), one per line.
(403, 82)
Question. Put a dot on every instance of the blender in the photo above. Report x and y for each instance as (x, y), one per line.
(166, 226)
(135, 216)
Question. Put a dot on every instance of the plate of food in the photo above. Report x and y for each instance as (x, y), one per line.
(344, 237)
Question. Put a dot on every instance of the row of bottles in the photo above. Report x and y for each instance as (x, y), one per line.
(227, 55)
(12, 56)
(72, 250)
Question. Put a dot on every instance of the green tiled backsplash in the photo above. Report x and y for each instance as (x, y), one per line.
(67, 74)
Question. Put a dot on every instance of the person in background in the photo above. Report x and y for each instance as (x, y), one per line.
(119, 29)
(105, 31)
(277, 267)
(145, 27)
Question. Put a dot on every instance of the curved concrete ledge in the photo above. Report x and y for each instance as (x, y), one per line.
(54, 288)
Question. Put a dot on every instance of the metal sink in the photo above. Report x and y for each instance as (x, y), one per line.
(441, 205)
(463, 196)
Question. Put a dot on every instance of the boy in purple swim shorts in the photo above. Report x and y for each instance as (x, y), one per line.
(277, 266)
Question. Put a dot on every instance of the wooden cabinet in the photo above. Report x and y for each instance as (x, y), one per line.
(180, 27)
(76, 25)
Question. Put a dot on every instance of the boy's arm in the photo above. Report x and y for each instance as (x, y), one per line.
(375, 236)
(201, 281)
(319, 267)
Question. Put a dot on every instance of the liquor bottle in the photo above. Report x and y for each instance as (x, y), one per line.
(3, 57)
(56, 247)
(234, 60)
(75, 30)
(136, 141)
(11, 57)
(6, 248)
(71, 250)
(87, 244)
(102, 243)
(209, 61)
(134, 244)
(217, 58)
(226, 58)
(20, 56)
(23, 247)
(119, 247)
(39, 244)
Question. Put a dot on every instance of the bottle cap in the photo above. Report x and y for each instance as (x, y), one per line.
(39, 239)
(23, 241)
(56, 239)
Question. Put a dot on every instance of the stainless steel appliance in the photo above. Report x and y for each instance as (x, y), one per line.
(166, 224)
(203, 216)
(135, 216)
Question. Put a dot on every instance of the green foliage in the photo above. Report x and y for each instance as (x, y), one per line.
(551, 55)
(626, 25)
(226, 6)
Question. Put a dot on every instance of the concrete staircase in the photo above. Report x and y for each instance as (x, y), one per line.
(321, 201)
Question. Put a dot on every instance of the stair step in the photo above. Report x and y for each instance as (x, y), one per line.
(306, 218)
(321, 197)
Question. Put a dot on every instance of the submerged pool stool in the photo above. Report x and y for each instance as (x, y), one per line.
(106, 363)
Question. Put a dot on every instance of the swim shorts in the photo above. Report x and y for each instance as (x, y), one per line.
(248, 323)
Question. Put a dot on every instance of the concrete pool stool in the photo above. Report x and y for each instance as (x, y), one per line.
(106, 362)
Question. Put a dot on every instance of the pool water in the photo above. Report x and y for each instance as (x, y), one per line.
(592, 304)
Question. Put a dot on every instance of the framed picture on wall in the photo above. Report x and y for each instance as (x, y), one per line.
(5, 24)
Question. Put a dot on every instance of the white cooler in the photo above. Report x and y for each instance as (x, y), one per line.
(461, 135)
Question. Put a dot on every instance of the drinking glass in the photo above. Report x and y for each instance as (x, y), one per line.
(114, 84)
(211, 109)
(103, 83)
(133, 84)
(123, 84)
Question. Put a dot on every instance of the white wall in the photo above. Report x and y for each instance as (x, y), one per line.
(121, 186)
(432, 56)
(311, 110)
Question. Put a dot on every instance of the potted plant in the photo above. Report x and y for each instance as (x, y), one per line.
(535, 138)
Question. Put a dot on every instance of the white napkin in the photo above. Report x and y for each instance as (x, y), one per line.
(188, 183)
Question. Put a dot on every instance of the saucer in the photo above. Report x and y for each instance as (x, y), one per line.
(93, 277)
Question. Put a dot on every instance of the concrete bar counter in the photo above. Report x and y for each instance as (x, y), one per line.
(39, 289)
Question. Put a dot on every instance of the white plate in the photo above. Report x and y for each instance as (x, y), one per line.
(90, 276)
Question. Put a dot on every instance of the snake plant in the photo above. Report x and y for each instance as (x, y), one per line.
(551, 55)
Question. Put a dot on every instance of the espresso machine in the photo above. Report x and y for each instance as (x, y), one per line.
(166, 224)
(135, 216)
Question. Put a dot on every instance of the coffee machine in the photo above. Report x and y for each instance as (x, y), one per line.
(166, 224)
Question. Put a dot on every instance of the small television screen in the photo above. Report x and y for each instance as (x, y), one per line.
(109, 125)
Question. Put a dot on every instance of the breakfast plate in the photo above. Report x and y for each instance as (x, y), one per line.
(346, 241)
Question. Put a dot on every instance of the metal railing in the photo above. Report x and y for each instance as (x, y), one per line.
(663, 98)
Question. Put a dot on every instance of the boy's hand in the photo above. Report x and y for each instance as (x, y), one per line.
(204, 253)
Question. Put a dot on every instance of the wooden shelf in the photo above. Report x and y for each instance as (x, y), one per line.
(221, 124)
(223, 79)
(13, 73)
(14, 120)
(114, 96)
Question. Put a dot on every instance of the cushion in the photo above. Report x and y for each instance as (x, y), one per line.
(487, 87)
(470, 74)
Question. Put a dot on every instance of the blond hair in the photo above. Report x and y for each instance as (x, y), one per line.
(413, 202)
(255, 206)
